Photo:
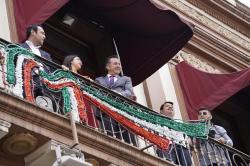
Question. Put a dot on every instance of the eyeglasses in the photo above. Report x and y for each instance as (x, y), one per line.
(203, 113)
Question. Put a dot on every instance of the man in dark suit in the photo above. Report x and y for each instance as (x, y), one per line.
(118, 84)
(35, 37)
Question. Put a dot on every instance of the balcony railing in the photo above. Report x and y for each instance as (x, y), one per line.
(37, 80)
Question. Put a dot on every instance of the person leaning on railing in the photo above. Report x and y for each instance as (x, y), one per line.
(176, 153)
(113, 80)
(213, 155)
(74, 63)
(121, 85)
(35, 36)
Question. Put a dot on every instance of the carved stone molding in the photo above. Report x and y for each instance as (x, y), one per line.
(20, 144)
(4, 123)
(243, 8)
(4, 128)
(201, 17)
(234, 17)
(197, 63)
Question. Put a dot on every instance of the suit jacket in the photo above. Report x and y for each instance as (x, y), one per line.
(122, 85)
(44, 54)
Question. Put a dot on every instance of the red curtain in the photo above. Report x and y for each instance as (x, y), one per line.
(29, 12)
(146, 41)
(201, 89)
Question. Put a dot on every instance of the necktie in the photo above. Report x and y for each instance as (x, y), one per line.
(111, 80)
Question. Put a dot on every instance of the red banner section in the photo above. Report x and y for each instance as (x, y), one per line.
(29, 12)
(147, 36)
(201, 89)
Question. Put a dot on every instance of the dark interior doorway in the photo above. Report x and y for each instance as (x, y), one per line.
(70, 32)
(234, 116)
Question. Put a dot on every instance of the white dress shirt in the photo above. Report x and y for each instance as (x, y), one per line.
(34, 49)
(115, 77)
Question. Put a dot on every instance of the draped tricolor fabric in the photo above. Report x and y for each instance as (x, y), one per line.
(202, 89)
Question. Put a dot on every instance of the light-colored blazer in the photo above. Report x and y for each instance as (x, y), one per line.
(122, 85)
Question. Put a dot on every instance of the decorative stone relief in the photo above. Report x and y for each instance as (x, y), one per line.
(4, 128)
(217, 16)
(219, 27)
(4, 124)
(20, 144)
(196, 62)
(233, 2)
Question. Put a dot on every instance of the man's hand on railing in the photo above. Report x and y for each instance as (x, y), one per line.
(221, 140)
(67, 69)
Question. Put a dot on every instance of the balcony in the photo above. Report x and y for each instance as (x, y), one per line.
(42, 130)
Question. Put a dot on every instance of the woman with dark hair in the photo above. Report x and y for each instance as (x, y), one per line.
(74, 64)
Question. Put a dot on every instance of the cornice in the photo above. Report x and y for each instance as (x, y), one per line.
(234, 16)
(56, 127)
(214, 41)
(212, 54)
(219, 50)
(243, 8)
(201, 19)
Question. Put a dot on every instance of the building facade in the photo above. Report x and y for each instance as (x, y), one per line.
(220, 44)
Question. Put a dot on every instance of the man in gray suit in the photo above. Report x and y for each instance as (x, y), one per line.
(212, 154)
(118, 84)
